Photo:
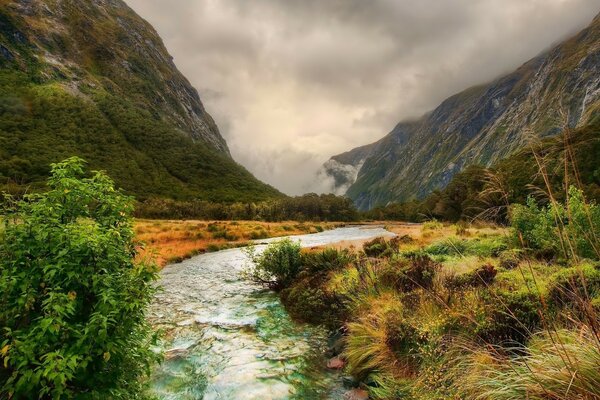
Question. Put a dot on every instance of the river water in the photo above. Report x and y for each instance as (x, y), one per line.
(227, 338)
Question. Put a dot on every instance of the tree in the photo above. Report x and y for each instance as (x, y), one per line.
(72, 298)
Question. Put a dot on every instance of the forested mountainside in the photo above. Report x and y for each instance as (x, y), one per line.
(93, 79)
(480, 125)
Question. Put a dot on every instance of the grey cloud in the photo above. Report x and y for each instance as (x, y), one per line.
(292, 82)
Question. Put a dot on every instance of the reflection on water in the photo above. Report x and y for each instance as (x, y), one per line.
(227, 338)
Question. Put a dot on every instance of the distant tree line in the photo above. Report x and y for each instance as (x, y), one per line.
(308, 207)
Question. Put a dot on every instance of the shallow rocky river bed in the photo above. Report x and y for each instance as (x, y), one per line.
(228, 338)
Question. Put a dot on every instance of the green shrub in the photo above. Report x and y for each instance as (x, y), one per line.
(379, 247)
(572, 286)
(328, 259)
(307, 301)
(72, 299)
(259, 234)
(407, 274)
(481, 276)
(511, 316)
(277, 266)
(571, 231)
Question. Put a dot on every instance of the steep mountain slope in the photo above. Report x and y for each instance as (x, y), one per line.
(480, 125)
(92, 78)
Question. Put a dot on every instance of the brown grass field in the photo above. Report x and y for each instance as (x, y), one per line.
(170, 241)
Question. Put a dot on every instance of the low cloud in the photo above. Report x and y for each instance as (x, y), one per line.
(293, 82)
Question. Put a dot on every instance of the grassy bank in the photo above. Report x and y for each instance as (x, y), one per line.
(458, 311)
(171, 241)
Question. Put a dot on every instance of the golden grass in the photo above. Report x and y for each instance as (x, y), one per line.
(171, 241)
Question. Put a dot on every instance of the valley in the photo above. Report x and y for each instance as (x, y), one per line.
(456, 257)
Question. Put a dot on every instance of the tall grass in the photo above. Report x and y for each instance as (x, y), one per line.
(564, 365)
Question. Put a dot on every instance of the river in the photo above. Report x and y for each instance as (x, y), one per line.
(228, 338)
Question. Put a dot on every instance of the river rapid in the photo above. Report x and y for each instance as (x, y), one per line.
(228, 338)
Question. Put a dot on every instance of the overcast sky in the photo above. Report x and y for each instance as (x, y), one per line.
(292, 82)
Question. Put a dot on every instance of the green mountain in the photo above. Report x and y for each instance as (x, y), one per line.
(480, 125)
(91, 78)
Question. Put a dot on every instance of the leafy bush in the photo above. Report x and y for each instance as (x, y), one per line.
(277, 266)
(572, 286)
(511, 316)
(380, 247)
(481, 276)
(404, 275)
(72, 299)
(571, 231)
(307, 301)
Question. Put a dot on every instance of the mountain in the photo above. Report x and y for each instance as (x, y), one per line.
(480, 125)
(92, 78)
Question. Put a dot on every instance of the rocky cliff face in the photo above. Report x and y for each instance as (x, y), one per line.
(480, 125)
(93, 79)
(103, 42)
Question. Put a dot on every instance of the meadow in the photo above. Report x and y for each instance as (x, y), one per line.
(170, 241)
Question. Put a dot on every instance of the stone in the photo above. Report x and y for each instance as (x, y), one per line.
(336, 363)
(356, 394)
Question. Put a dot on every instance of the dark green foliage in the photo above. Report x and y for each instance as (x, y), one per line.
(376, 247)
(325, 260)
(277, 266)
(570, 231)
(481, 276)
(407, 274)
(145, 156)
(312, 207)
(380, 247)
(485, 193)
(511, 316)
(72, 300)
(307, 301)
(571, 286)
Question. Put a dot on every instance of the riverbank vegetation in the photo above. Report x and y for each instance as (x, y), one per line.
(72, 298)
(460, 313)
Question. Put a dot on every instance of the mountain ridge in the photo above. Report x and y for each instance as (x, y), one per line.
(479, 125)
(94, 79)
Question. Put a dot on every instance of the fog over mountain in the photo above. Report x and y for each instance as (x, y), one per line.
(290, 83)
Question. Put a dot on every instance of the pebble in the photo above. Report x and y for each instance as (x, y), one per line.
(356, 394)
(335, 363)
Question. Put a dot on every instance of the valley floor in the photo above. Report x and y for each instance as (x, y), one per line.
(170, 241)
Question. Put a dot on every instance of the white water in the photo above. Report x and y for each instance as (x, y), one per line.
(227, 338)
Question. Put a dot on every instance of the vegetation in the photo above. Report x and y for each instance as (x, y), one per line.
(277, 266)
(169, 241)
(465, 312)
(308, 207)
(72, 300)
(82, 91)
(482, 193)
